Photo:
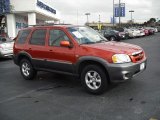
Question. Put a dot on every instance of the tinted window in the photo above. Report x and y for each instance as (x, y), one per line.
(107, 31)
(23, 36)
(38, 37)
(56, 36)
(112, 32)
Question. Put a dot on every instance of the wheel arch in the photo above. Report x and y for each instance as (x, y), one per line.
(84, 61)
(23, 55)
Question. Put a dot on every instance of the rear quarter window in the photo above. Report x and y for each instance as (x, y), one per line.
(22, 37)
(38, 37)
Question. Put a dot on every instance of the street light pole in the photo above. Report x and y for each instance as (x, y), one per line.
(77, 16)
(119, 12)
(131, 11)
(99, 18)
(87, 14)
(113, 12)
(99, 25)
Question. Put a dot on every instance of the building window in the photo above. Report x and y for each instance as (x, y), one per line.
(23, 36)
(56, 36)
(38, 37)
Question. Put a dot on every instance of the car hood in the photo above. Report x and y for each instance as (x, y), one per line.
(116, 47)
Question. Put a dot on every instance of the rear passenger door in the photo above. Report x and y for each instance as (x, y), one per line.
(60, 58)
(37, 47)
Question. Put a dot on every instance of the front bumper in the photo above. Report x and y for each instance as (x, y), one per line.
(121, 72)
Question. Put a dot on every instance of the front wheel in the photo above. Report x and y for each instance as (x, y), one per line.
(27, 69)
(94, 79)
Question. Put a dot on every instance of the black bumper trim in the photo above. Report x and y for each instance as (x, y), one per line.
(121, 72)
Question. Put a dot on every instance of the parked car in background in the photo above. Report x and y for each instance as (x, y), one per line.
(150, 30)
(134, 32)
(142, 32)
(155, 29)
(6, 47)
(146, 31)
(158, 28)
(113, 35)
(122, 30)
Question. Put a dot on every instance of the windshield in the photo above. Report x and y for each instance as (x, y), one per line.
(86, 35)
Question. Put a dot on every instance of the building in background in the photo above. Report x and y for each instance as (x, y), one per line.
(99, 25)
(28, 12)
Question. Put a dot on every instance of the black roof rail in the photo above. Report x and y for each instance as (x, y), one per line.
(48, 24)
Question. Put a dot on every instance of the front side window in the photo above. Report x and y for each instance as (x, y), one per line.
(38, 37)
(23, 36)
(56, 36)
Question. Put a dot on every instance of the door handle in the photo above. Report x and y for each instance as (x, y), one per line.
(51, 50)
(30, 48)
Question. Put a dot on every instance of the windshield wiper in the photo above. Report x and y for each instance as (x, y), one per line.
(87, 43)
(102, 41)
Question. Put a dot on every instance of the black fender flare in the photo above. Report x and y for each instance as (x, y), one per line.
(23, 53)
(99, 60)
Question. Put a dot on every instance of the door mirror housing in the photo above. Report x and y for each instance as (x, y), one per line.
(65, 43)
(14, 39)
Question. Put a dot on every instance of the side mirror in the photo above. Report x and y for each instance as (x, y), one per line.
(14, 39)
(65, 43)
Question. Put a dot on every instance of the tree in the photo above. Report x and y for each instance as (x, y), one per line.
(145, 23)
(152, 20)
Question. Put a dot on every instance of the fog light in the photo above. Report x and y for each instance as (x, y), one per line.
(126, 75)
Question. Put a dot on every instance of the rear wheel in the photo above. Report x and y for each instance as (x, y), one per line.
(94, 79)
(27, 70)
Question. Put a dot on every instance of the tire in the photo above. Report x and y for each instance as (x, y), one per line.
(112, 38)
(94, 79)
(27, 70)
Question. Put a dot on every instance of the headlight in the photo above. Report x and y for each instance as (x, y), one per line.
(121, 58)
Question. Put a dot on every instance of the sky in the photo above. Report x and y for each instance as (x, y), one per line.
(73, 11)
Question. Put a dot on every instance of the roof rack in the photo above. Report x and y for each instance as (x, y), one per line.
(48, 24)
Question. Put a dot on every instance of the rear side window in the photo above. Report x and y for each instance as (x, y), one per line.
(38, 37)
(23, 36)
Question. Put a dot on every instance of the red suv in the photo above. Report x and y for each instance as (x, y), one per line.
(78, 51)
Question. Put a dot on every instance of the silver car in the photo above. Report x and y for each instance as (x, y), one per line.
(6, 47)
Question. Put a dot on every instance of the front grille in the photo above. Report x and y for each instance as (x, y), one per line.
(138, 56)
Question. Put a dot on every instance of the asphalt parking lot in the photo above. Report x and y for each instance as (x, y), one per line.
(59, 97)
